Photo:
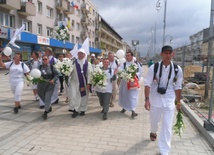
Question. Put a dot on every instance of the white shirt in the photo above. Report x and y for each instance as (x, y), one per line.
(113, 64)
(165, 100)
(16, 72)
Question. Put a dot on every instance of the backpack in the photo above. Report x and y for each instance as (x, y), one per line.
(156, 69)
(11, 65)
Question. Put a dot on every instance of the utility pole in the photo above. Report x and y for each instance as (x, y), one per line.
(209, 124)
(207, 82)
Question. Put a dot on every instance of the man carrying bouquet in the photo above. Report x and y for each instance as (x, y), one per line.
(79, 87)
(163, 84)
(128, 91)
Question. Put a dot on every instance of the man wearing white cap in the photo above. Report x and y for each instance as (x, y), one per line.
(79, 85)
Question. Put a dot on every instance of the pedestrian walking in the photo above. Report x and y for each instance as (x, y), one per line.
(128, 98)
(17, 69)
(161, 92)
(46, 88)
(79, 85)
(32, 64)
(113, 64)
(105, 94)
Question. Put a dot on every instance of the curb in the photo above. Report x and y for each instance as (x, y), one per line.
(199, 124)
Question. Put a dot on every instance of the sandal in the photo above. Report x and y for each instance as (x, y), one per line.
(153, 136)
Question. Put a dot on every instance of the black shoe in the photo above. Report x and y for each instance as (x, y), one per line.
(134, 114)
(74, 115)
(82, 113)
(16, 110)
(102, 111)
(71, 110)
(50, 109)
(19, 107)
(42, 107)
(57, 101)
(123, 111)
(104, 116)
(45, 115)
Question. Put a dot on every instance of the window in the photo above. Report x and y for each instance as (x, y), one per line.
(73, 24)
(78, 26)
(49, 32)
(39, 29)
(72, 39)
(7, 20)
(49, 12)
(39, 7)
(27, 25)
(77, 39)
(59, 16)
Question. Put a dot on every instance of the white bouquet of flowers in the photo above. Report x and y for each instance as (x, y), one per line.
(98, 78)
(65, 67)
(129, 75)
(61, 32)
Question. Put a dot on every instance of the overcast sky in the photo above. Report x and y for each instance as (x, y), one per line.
(134, 19)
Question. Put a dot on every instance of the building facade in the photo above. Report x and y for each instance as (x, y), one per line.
(40, 17)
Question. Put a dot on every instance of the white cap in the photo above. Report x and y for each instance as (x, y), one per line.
(81, 50)
(93, 55)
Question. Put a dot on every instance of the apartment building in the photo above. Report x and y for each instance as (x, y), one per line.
(109, 39)
(40, 17)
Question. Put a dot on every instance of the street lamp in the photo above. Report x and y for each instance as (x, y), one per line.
(158, 7)
(153, 39)
(170, 37)
(135, 43)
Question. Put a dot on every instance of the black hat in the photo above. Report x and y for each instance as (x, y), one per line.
(167, 48)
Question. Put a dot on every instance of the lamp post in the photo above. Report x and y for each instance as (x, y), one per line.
(135, 43)
(158, 6)
(153, 39)
(170, 37)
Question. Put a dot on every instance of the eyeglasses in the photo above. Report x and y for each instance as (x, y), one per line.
(44, 59)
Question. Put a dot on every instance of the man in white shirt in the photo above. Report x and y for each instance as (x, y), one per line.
(113, 64)
(162, 89)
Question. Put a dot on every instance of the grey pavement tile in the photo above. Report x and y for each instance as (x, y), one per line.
(27, 133)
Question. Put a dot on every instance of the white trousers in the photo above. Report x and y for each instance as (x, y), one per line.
(17, 90)
(166, 115)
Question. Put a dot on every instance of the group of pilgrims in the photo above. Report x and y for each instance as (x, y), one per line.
(163, 85)
(79, 85)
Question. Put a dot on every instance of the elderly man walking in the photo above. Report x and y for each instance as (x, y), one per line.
(79, 85)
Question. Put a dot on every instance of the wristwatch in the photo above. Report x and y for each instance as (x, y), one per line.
(146, 98)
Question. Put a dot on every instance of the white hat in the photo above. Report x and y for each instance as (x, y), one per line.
(93, 55)
(81, 50)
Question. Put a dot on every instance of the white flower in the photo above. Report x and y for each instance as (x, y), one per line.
(98, 78)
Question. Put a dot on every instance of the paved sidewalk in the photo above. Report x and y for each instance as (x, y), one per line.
(27, 133)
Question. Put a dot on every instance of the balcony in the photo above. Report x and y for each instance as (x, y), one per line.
(84, 20)
(69, 10)
(10, 4)
(85, 8)
(83, 34)
(61, 5)
(27, 9)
